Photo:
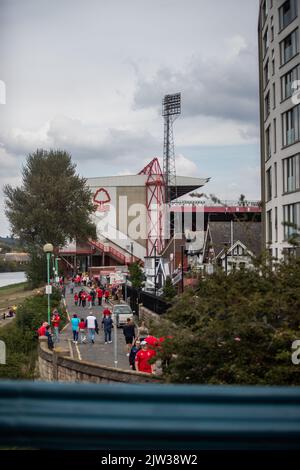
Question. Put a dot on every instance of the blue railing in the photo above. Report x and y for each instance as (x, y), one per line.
(139, 417)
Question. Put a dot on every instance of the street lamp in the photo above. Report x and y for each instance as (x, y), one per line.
(48, 249)
(116, 321)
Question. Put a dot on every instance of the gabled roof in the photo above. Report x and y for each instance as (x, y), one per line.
(248, 233)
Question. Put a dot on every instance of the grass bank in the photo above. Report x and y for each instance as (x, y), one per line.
(21, 339)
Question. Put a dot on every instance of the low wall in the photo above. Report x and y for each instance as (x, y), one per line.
(58, 366)
(147, 315)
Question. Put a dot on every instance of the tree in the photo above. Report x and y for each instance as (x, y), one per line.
(169, 291)
(53, 204)
(235, 329)
(136, 275)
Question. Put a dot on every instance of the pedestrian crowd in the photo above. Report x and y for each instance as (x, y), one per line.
(141, 348)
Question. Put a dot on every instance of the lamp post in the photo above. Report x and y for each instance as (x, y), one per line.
(116, 321)
(48, 249)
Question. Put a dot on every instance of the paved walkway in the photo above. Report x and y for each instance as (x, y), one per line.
(99, 352)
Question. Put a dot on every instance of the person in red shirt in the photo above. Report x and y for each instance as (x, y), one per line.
(82, 331)
(106, 312)
(89, 299)
(106, 295)
(76, 299)
(99, 295)
(142, 359)
(42, 329)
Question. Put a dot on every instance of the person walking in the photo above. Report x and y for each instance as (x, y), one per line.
(72, 287)
(55, 324)
(83, 299)
(106, 312)
(99, 295)
(108, 325)
(80, 297)
(91, 323)
(93, 294)
(82, 331)
(106, 295)
(76, 298)
(129, 333)
(142, 359)
(89, 299)
(75, 328)
(135, 348)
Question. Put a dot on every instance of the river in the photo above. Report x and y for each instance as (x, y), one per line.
(11, 278)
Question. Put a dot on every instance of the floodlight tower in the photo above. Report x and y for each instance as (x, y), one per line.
(171, 108)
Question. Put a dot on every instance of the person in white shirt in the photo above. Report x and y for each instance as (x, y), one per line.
(91, 323)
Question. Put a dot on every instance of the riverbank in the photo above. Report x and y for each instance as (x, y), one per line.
(14, 294)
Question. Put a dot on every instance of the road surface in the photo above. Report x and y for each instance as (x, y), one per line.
(99, 352)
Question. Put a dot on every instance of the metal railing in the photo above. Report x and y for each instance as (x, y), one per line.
(144, 417)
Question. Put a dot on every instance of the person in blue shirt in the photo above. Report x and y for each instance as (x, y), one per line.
(75, 327)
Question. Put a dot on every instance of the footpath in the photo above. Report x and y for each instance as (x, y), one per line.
(99, 353)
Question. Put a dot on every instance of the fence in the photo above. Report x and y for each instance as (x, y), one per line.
(86, 416)
(150, 301)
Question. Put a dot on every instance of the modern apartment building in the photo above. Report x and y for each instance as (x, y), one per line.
(279, 71)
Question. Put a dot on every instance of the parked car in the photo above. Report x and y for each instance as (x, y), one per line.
(120, 314)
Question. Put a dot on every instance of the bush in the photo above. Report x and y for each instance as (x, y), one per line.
(20, 336)
(235, 329)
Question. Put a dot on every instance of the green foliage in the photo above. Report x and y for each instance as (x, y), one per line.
(36, 270)
(169, 291)
(10, 266)
(136, 275)
(53, 204)
(236, 329)
(20, 336)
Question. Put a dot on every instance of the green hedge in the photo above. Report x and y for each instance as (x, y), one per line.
(20, 336)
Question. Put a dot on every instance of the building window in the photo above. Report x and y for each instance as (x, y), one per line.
(273, 62)
(291, 174)
(289, 47)
(267, 105)
(274, 96)
(274, 135)
(266, 74)
(269, 185)
(291, 220)
(287, 13)
(287, 81)
(276, 224)
(271, 5)
(268, 144)
(290, 126)
(269, 226)
(265, 43)
(275, 179)
(264, 12)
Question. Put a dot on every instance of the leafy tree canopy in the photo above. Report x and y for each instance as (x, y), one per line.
(53, 204)
(235, 329)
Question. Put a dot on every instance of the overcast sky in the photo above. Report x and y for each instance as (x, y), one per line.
(88, 76)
